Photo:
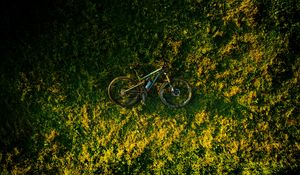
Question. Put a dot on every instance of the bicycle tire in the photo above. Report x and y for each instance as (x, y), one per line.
(118, 94)
(169, 98)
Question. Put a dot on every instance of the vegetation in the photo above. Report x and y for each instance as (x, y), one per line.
(242, 58)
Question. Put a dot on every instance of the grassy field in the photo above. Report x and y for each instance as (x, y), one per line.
(240, 56)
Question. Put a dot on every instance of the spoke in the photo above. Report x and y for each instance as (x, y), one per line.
(177, 97)
(124, 91)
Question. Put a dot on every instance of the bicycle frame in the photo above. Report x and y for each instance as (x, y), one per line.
(157, 71)
(142, 80)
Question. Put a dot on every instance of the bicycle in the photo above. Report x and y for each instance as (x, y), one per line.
(127, 92)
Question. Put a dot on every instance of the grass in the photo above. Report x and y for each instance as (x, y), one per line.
(239, 57)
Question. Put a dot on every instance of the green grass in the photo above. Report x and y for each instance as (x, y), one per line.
(240, 57)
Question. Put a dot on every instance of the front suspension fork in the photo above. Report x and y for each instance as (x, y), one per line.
(169, 81)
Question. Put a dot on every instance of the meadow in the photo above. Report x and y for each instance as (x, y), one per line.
(240, 56)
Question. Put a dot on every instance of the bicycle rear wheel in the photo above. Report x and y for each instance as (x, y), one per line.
(175, 94)
(123, 92)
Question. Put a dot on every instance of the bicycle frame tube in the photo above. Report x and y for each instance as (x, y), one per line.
(154, 72)
(140, 83)
(155, 79)
(158, 72)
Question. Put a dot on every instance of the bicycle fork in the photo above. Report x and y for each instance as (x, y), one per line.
(169, 81)
(175, 92)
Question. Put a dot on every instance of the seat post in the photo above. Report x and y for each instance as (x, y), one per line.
(137, 75)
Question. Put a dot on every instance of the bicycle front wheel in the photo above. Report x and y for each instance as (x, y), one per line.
(175, 94)
(124, 92)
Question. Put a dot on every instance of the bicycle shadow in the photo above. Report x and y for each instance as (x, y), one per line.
(215, 104)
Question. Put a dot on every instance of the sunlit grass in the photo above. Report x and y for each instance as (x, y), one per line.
(242, 118)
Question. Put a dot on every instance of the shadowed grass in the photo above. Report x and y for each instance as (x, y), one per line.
(242, 65)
